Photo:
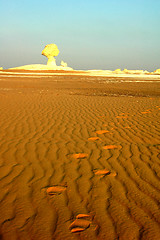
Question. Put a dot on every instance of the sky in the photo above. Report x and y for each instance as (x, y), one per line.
(90, 34)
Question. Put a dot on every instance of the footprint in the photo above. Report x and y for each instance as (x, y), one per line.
(111, 147)
(84, 216)
(145, 112)
(93, 139)
(101, 172)
(77, 229)
(80, 155)
(105, 172)
(102, 131)
(55, 190)
(79, 225)
(113, 174)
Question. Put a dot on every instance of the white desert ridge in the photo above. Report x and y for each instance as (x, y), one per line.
(51, 51)
(45, 70)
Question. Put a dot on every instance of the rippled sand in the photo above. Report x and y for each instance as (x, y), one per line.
(79, 158)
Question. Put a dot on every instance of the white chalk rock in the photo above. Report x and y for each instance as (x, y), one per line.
(157, 71)
(133, 71)
(51, 51)
(118, 71)
(64, 64)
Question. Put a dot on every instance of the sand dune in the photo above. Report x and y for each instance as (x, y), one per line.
(79, 159)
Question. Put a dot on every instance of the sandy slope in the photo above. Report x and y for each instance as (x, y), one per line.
(44, 123)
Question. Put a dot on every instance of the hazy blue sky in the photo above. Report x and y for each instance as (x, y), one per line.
(90, 34)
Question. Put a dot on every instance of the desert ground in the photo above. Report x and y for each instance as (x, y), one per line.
(79, 157)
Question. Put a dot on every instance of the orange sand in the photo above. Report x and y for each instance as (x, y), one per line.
(46, 193)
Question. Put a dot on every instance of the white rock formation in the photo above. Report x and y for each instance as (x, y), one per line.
(157, 71)
(42, 67)
(63, 64)
(51, 51)
(133, 71)
(117, 71)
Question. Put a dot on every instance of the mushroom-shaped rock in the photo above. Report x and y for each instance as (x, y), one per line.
(51, 51)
